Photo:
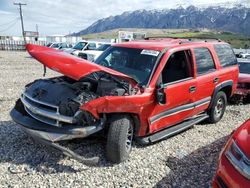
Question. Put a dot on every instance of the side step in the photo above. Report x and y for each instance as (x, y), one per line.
(173, 130)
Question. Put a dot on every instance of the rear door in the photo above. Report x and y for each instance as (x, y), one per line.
(179, 85)
(207, 77)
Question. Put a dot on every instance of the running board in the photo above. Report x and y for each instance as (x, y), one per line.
(173, 130)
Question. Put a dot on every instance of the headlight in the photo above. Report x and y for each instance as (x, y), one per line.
(238, 159)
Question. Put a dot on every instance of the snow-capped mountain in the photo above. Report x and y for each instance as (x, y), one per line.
(233, 18)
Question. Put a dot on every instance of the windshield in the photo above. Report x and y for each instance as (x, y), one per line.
(244, 68)
(136, 63)
(103, 47)
(79, 45)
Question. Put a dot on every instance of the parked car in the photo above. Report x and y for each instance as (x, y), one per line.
(147, 90)
(234, 161)
(242, 94)
(92, 55)
(244, 55)
(82, 46)
(59, 45)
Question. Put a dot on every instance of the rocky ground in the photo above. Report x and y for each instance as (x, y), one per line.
(186, 160)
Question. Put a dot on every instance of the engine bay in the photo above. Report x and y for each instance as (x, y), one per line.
(69, 94)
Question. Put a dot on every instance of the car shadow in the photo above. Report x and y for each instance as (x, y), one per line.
(27, 155)
(194, 170)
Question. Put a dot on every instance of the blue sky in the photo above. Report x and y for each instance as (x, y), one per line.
(64, 16)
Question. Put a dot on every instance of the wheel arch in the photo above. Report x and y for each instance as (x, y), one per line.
(134, 117)
(226, 87)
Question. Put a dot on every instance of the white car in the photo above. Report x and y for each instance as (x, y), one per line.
(59, 45)
(244, 55)
(92, 55)
(82, 46)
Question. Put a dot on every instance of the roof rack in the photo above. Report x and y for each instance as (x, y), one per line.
(188, 38)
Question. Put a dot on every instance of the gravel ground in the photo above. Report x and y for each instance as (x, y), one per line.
(186, 160)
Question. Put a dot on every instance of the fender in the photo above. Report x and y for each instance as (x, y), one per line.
(138, 105)
(218, 88)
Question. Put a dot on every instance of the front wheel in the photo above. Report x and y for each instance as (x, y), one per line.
(120, 137)
(218, 107)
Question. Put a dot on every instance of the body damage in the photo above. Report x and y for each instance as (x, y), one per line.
(140, 105)
(134, 101)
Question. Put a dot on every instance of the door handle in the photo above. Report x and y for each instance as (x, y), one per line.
(216, 80)
(192, 89)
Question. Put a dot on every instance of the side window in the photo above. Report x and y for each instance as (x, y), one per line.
(178, 67)
(204, 60)
(225, 55)
(64, 45)
(91, 46)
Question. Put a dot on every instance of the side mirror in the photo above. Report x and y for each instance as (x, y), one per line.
(160, 94)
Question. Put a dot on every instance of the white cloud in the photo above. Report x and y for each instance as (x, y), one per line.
(62, 16)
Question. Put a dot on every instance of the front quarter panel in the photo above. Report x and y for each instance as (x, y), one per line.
(141, 105)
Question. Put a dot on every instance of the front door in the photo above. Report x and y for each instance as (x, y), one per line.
(179, 84)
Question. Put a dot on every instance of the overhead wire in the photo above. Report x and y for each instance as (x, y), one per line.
(10, 26)
(10, 22)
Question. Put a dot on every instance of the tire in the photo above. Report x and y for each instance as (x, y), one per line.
(218, 107)
(120, 137)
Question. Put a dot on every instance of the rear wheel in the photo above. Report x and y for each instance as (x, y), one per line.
(218, 107)
(120, 137)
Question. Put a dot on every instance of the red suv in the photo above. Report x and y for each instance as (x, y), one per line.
(144, 90)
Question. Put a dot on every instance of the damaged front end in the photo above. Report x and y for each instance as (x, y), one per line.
(50, 109)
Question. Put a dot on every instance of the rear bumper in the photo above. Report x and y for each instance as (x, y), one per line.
(50, 133)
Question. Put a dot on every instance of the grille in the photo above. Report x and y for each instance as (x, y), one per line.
(44, 112)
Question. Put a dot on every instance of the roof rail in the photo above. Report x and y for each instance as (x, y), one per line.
(188, 38)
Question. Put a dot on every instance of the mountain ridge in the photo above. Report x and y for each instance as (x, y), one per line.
(235, 19)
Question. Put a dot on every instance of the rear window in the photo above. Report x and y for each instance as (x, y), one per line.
(225, 54)
(204, 60)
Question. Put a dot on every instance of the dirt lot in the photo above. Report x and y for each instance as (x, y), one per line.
(186, 160)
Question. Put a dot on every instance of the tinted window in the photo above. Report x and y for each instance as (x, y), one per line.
(225, 54)
(204, 60)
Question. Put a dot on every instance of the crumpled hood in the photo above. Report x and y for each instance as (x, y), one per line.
(244, 78)
(70, 65)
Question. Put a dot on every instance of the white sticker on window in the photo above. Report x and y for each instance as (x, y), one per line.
(150, 52)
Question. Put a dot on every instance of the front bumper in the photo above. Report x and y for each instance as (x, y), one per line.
(50, 135)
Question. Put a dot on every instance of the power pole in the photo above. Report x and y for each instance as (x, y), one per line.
(21, 16)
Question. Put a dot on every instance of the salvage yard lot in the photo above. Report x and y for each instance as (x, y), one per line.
(186, 160)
